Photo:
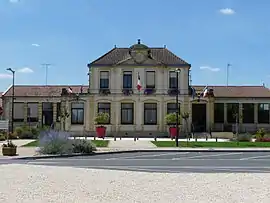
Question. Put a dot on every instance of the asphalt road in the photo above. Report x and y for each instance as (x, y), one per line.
(170, 162)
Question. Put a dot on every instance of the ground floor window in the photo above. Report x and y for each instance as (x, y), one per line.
(232, 112)
(77, 113)
(263, 113)
(105, 108)
(18, 112)
(150, 114)
(219, 113)
(171, 108)
(127, 113)
(32, 112)
(248, 113)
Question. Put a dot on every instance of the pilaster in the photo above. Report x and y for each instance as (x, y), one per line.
(40, 112)
(255, 113)
(54, 112)
(240, 113)
(225, 113)
(25, 116)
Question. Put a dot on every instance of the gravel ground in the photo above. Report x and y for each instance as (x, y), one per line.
(25, 183)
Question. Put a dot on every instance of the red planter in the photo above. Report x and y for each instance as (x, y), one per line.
(101, 131)
(173, 132)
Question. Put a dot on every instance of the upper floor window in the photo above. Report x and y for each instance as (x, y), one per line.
(150, 79)
(127, 79)
(172, 79)
(104, 80)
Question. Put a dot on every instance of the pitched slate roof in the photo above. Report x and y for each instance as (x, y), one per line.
(238, 91)
(116, 55)
(219, 91)
(42, 90)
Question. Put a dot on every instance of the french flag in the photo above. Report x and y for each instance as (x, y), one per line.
(69, 90)
(139, 85)
(205, 92)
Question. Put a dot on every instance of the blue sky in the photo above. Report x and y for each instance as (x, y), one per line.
(71, 33)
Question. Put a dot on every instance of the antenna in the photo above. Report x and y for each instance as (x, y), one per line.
(46, 66)
(228, 66)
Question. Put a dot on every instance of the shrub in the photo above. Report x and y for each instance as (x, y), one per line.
(83, 146)
(27, 132)
(58, 142)
(102, 118)
(245, 137)
(55, 142)
(2, 137)
(171, 118)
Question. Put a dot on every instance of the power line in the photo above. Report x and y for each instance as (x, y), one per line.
(46, 66)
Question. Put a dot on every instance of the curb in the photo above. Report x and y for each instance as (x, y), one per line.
(138, 151)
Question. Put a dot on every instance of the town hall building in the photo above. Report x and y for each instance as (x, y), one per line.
(112, 88)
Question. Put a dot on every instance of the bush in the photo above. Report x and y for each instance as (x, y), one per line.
(83, 146)
(2, 137)
(55, 142)
(58, 142)
(245, 137)
(26, 132)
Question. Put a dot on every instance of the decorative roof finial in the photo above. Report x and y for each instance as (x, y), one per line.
(139, 41)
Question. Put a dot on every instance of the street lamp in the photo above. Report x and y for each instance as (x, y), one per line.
(13, 94)
(177, 107)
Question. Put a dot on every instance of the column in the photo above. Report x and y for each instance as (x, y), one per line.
(116, 115)
(54, 112)
(139, 114)
(240, 114)
(225, 113)
(25, 112)
(256, 113)
(211, 113)
(92, 113)
(40, 113)
(161, 115)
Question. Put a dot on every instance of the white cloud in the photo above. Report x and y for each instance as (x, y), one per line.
(5, 76)
(35, 45)
(25, 70)
(209, 68)
(14, 1)
(227, 11)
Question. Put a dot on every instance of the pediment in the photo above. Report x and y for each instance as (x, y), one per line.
(131, 61)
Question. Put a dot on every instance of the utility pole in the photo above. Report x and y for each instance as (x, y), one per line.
(46, 66)
(228, 66)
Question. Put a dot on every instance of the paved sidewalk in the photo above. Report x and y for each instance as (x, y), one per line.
(128, 144)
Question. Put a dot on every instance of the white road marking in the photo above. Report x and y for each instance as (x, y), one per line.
(255, 157)
(211, 155)
(145, 155)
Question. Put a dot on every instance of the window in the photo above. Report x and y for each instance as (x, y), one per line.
(172, 80)
(218, 113)
(232, 111)
(105, 108)
(32, 112)
(104, 80)
(127, 113)
(263, 113)
(127, 79)
(77, 113)
(248, 113)
(58, 111)
(171, 108)
(18, 112)
(150, 114)
(150, 79)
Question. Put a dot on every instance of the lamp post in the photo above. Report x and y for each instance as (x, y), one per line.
(13, 94)
(177, 107)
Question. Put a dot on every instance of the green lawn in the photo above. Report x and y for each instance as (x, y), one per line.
(211, 144)
(98, 143)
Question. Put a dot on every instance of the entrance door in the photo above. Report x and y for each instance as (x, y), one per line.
(47, 114)
(199, 117)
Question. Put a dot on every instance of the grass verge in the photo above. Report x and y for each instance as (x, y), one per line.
(98, 143)
(212, 144)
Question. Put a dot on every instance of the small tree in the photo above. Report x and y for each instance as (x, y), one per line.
(63, 117)
(171, 119)
(102, 119)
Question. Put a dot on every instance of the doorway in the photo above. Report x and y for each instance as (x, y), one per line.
(199, 117)
(47, 113)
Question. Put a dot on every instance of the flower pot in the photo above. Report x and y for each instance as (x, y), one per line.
(9, 151)
(101, 131)
(173, 132)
